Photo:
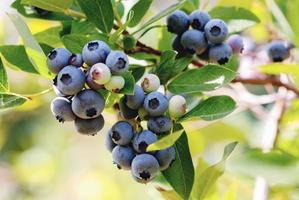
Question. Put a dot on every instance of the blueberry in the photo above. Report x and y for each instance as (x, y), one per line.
(109, 142)
(91, 84)
(155, 104)
(236, 43)
(142, 140)
(100, 73)
(220, 53)
(122, 133)
(70, 80)
(159, 125)
(177, 22)
(150, 83)
(126, 112)
(95, 51)
(122, 156)
(194, 41)
(62, 109)
(76, 60)
(57, 59)
(116, 84)
(135, 101)
(144, 168)
(277, 51)
(89, 126)
(216, 31)
(198, 19)
(118, 62)
(57, 92)
(165, 157)
(88, 104)
(177, 106)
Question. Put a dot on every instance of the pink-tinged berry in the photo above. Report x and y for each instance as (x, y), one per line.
(150, 83)
(100, 73)
(115, 84)
(236, 43)
(177, 106)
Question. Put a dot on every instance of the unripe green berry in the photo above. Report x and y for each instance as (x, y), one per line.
(177, 106)
(115, 84)
(150, 83)
(100, 73)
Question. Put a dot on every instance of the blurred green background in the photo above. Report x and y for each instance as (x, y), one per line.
(41, 159)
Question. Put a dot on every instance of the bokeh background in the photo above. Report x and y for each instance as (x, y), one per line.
(41, 159)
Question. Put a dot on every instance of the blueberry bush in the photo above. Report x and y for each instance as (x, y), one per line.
(191, 78)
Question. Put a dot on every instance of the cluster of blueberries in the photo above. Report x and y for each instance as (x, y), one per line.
(205, 38)
(129, 145)
(79, 78)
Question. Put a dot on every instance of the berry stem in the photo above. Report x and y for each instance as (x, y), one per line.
(31, 96)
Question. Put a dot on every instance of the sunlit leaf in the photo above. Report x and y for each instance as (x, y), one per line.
(165, 142)
(3, 78)
(140, 9)
(52, 5)
(129, 83)
(8, 100)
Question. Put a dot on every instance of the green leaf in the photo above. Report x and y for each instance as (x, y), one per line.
(237, 18)
(52, 5)
(49, 36)
(165, 142)
(129, 83)
(181, 173)
(211, 109)
(21, 61)
(76, 42)
(165, 41)
(140, 9)
(169, 194)
(83, 27)
(129, 42)
(29, 12)
(118, 32)
(99, 12)
(207, 78)
(3, 78)
(138, 72)
(8, 100)
(170, 67)
(206, 179)
(278, 168)
(32, 48)
(162, 14)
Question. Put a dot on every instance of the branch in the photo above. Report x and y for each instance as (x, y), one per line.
(268, 80)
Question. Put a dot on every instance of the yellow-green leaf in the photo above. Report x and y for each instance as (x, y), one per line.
(165, 142)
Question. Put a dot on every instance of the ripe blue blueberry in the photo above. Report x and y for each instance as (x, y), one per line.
(109, 142)
(88, 104)
(62, 110)
(70, 80)
(205, 55)
(194, 41)
(126, 112)
(89, 126)
(277, 51)
(91, 84)
(122, 133)
(220, 53)
(94, 52)
(159, 125)
(216, 31)
(177, 22)
(142, 140)
(144, 168)
(122, 156)
(57, 59)
(118, 62)
(135, 101)
(76, 60)
(236, 43)
(165, 157)
(198, 19)
(155, 103)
